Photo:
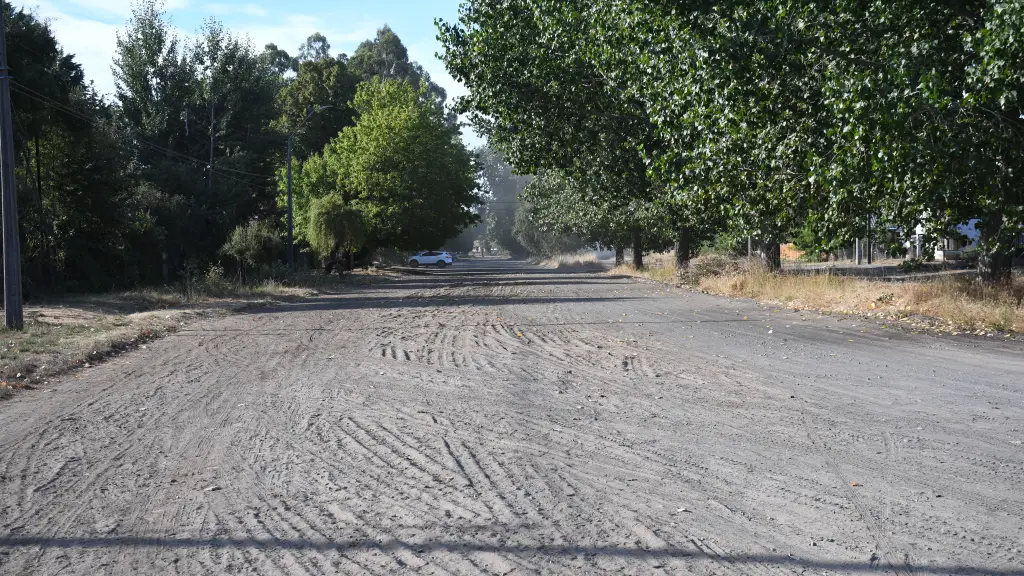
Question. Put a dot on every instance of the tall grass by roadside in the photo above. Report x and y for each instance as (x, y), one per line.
(657, 267)
(580, 261)
(960, 303)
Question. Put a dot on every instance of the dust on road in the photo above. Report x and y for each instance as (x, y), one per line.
(502, 419)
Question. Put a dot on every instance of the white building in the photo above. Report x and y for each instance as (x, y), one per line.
(947, 248)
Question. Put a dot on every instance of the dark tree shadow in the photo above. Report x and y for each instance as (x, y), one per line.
(457, 547)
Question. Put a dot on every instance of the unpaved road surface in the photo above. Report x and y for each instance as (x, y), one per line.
(501, 419)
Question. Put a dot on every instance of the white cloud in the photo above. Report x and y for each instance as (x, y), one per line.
(91, 41)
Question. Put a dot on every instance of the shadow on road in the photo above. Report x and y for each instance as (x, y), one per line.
(458, 547)
(327, 304)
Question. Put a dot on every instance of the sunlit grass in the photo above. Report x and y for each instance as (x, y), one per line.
(958, 302)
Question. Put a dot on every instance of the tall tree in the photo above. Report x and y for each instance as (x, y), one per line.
(539, 98)
(70, 164)
(316, 47)
(386, 57)
(325, 83)
(402, 166)
(200, 116)
(781, 111)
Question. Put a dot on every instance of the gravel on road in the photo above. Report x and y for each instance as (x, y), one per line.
(499, 418)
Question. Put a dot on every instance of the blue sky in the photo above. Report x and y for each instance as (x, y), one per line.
(87, 28)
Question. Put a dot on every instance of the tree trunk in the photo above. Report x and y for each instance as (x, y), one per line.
(771, 255)
(638, 248)
(332, 260)
(684, 250)
(620, 255)
(995, 264)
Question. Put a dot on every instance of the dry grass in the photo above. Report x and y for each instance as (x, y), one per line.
(78, 330)
(961, 303)
(666, 274)
(657, 267)
(957, 304)
(580, 261)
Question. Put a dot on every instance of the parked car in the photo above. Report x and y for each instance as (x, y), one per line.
(431, 258)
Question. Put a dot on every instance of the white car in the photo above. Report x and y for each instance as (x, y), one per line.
(431, 258)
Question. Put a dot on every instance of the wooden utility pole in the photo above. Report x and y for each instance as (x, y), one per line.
(12, 249)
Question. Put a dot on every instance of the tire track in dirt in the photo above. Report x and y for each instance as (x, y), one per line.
(495, 424)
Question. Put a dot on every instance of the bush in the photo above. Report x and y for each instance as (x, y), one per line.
(911, 265)
(252, 245)
(710, 266)
(333, 225)
(726, 244)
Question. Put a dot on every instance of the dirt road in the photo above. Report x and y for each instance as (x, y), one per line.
(501, 419)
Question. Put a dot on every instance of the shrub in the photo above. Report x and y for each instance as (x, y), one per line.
(253, 244)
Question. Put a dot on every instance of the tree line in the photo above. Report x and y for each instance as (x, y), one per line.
(184, 166)
(656, 122)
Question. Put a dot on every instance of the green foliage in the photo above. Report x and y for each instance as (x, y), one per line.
(181, 168)
(538, 93)
(77, 216)
(540, 241)
(765, 114)
(402, 166)
(253, 244)
(405, 167)
(198, 115)
(321, 83)
(568, 206)
(332, 226)
(385, 57)
(911, 265)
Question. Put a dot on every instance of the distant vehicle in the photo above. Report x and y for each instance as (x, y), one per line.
(431, 258)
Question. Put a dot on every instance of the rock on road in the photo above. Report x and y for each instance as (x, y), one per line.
(501, 419)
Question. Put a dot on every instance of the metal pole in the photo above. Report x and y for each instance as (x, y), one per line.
(12, 249)
(291, 248)
(750, 246)
(857, 248)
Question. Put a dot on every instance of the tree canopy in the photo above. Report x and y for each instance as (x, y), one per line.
(180, 168)
(762, 115)
(401, 166)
